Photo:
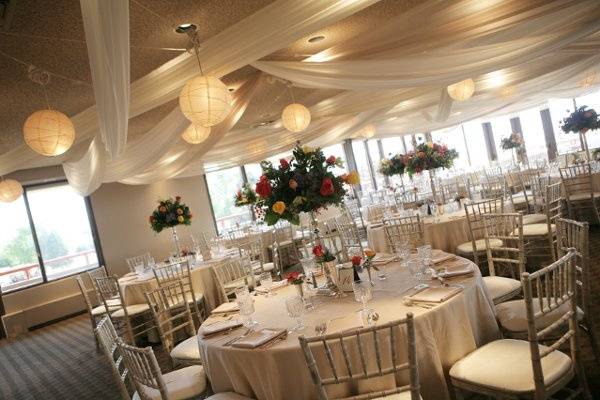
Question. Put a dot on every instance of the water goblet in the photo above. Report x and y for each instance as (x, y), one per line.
(415, 267)
(295, 309)
(246, 304)
(266, 281)
(362, 293)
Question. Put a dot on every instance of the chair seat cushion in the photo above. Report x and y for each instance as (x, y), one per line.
(187, 350)
(397, 396)
(512, 315)
(234, 285)
(228, 396)
(181, 384)
(499, 286)
(266, 267)
(467, 248)
(534, 219)
(100, 310)
(537, 229)
(584, 196)
(133, 309)
(505, 365)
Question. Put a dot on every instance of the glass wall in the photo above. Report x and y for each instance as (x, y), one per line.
(559, 109)
(376, 159)
(502, 129)
(533, 134)
(358, 147)
(453, 138)
(392, 146)
(337, 150)
(60, 232)
(222, 186)
(476, 143)
(591, 100)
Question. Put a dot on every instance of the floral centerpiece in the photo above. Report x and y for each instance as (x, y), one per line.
(305, 183)
(429, 156)
(580, 121)
(514, 141)
(245, 196)
(322, 254)
(392, 166)
(296, 279)
(170, 213)
(366, 262)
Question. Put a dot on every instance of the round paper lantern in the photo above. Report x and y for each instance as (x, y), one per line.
(196, 134)
(295, 117)
(49, 132)
(462, 90)
(205, 100)
(368, 131)
(10, 190)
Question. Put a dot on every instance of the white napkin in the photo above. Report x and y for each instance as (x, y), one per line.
(258, 338)
(436, 294)
(226, 308)
(215, 327)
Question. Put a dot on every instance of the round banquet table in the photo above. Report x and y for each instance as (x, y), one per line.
(134, 286)
(443, 232)
(444, 333)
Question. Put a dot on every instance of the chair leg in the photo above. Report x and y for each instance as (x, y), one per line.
(129, 332)
(93, 320)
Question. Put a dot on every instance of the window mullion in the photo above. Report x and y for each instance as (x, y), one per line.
(36, 243)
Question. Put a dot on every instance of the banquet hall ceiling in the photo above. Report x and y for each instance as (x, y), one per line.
(54, 40)
(384, 62)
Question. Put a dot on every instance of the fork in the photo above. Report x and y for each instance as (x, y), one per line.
(235, 339)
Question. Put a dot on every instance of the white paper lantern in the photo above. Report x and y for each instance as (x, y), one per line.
(295, 117)
(196, 134)
(462, 90)
(368, 131)
(49, 132)
(205, 100)
(10, 190)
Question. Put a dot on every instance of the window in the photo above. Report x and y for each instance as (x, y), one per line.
(533, 134)
(393, 146)
(408, 143)
(375, 159)
(222, 186)
(501, 129)
(362, 164)
(591, 100)
(253, 173)
(565, 142)
(337, 150)
(453, 138)
(476, 143)
(65, 242)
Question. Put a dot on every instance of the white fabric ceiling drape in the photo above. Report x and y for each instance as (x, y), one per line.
(106, 24)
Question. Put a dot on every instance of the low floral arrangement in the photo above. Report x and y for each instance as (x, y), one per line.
(303, 184)
(169, 213)
(245, 196)
(392, 166)
(295, 278)
(581, 121)
(322, 254)
(425, 157)
(365, 261)
(514, 141)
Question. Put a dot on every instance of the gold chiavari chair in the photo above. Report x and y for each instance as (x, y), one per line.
(253, 248)
(383, 342)
(404, 230)
(145, 259)
(180, 271)
(475, 211)
(538, 190)
(494, 188)
(151, 384)
(349, 233)
(136, 317)
(231, 274)
(575, 235)
(526, 369)
(506, 257)
(107, 336)
(283, 235)
(579, 191)
(172, 316)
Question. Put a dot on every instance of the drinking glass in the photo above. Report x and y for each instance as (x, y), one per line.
(246, 304)
(266, 281)
(295, 309)
(362, 293)
(424, 254)
(308, 266)
(321, 326)
(415, 267)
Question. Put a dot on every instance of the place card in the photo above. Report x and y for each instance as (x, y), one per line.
(437, 294)
(226, 308)
(213, 328)
(259, 338)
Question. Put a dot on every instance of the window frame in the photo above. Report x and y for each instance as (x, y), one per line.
(94, 230)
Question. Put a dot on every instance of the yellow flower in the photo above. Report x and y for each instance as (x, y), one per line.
(430, 144)
(278, 207)
(180, 219)
(353, 178)
(308, 149)
(369, 253)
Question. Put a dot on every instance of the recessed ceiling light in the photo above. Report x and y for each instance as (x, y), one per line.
(316, 39)
(185, 28)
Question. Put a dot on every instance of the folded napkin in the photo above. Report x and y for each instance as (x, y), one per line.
(456, 268)
(275, 286)
(259, 338)
(226, 308)
(436, 294)
(381, 259)
(441, 257)
(215, 327)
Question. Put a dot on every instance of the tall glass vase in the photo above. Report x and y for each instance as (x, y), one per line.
(176, 240)
(432, 183)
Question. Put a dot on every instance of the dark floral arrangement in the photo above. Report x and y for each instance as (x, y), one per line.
(170, 213)
(295, 278)
(322, 254)
(514, 141)
(303, 184)
(425, 157)
(245, 196)
(392, 166)
(581, 120)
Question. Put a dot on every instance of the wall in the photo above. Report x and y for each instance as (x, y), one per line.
(121, 213)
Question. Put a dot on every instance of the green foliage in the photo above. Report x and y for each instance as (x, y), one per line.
(581, 120)
(170, 213)
(245, 196)
(21, 250)
(425, 157)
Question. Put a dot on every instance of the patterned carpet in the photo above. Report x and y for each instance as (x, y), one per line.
(60, 361)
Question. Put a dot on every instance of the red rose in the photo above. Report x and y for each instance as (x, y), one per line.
(330, 160)
(326, 187)
(263, 187)
(356, 260)
(291, 277)
(318, 251)
(283, 163)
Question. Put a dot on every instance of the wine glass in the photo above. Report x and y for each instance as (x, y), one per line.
(362, 293)
(295, 309)
(266, 281)
(415, 267)
(246, 305)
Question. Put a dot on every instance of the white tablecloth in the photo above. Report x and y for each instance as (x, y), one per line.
(444, 335)
(444, 232)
